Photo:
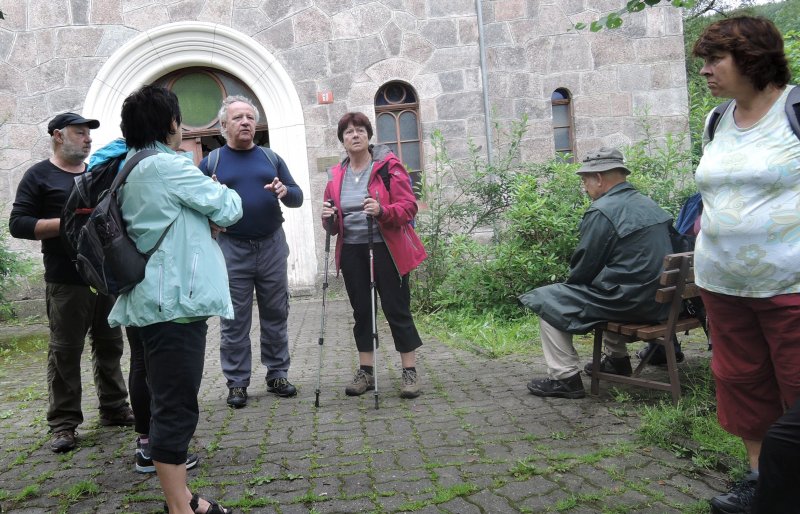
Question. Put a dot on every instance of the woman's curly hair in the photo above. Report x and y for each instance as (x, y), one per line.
(754, 43)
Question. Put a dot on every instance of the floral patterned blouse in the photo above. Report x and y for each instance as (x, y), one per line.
(749, 242)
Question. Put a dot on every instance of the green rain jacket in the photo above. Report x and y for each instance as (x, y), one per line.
(615, 269)
(186, 277)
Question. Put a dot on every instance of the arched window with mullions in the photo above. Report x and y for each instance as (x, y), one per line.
(563, 128)
(397, 124)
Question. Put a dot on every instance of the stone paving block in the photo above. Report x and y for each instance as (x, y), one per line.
(402, 480)
(518, 491)
(460, 506)
(491, 502)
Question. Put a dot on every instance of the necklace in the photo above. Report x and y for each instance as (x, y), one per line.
(357, 175)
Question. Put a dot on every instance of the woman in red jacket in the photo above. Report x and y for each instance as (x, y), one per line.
(372, 182)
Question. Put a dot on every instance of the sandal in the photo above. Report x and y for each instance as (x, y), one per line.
(213, 507)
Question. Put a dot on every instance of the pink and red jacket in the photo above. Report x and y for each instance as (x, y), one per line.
(398, 204)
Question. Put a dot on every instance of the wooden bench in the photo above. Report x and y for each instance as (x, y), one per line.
(677, 284)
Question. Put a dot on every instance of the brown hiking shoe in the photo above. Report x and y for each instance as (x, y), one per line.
(63, 441)
(362, 382)
(410, 387)
(122, 417)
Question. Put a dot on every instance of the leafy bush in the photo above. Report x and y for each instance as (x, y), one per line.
(10, 265)
(663, 172)
(531, 213)
(459, 200)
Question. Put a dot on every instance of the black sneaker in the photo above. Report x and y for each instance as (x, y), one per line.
(570, 387)
(613, 365)
(63, 441)
(237, 397)
(659, 357)
(122, 417)
(282, 387)
(739, 499)
(144, 464)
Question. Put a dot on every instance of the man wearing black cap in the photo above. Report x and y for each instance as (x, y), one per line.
(614, 274)
(73, 309)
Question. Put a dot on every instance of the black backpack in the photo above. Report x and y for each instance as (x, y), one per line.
(83, 197)
(106, 257)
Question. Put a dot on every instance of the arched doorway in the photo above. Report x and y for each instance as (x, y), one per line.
(175, 46)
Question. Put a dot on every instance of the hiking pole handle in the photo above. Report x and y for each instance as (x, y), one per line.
(329, 226)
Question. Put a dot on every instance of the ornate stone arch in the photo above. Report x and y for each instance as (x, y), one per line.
(169, 47)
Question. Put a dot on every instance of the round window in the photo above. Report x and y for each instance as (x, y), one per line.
(200, 95)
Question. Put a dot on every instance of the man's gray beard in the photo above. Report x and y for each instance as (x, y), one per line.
(75, 155)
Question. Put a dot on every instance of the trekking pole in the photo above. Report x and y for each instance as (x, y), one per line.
(374, 313)
(324, 290)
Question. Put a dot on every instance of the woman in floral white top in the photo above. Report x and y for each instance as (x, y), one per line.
(747, 257)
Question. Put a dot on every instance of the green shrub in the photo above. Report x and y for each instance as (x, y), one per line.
(531, 213)
(10, 266)
(458, 200)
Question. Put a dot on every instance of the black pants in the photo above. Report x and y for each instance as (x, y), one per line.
(779, 465)
(138, 389)
(174, 354)
(393, 290)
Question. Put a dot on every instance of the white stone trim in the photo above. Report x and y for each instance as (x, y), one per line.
(166, 48)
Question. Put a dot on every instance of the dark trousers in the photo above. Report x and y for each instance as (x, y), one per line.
(260, 264)
(74, 311)
(137, 382)
(393, 290)
(779, 465)
(174, 354)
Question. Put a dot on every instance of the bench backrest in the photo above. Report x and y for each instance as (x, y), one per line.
(677, 277)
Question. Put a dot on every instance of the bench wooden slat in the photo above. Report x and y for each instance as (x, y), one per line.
(642, 382)
(665, 294)
(629, 329)
(673, 260)
(671, 277)
(655, 331)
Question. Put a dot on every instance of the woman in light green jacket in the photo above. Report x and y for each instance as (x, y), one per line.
(185, 280)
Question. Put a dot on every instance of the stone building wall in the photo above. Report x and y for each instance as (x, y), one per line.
(51, 52)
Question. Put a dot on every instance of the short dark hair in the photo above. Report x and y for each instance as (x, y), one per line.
(358, 119)
(147, 116)
(755, 44)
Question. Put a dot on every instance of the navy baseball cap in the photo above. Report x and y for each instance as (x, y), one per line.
(70, 118)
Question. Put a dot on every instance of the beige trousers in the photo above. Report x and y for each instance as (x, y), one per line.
(560, 355)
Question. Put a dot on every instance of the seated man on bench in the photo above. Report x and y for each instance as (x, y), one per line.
(614, 275)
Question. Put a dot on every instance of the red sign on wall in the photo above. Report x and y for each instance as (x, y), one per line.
(325, 97)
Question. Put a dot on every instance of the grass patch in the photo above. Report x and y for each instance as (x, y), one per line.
(82, 489)
(21, 346)
(29, 491)
(488, 334)
(441, 495)
(690, 428)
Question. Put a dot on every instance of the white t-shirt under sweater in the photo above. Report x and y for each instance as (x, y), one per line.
(749, 242)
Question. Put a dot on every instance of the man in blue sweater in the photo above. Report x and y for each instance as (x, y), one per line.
(255, 251)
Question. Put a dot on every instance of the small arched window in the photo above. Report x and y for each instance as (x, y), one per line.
(397, 124)
(563, 129)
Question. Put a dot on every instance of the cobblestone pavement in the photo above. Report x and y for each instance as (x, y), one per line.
(475, 442)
